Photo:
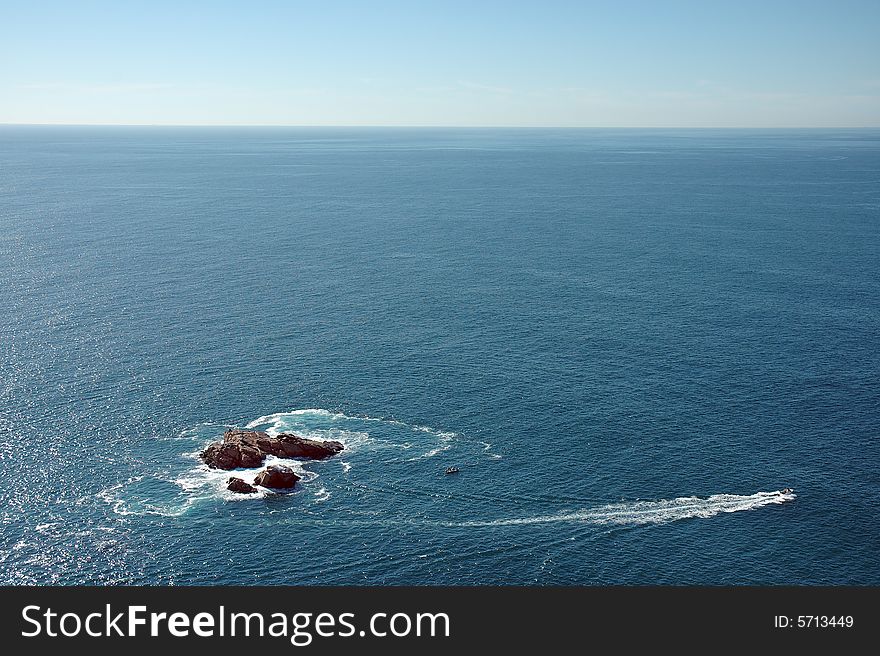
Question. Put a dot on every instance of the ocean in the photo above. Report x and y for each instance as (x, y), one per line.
(628, 341)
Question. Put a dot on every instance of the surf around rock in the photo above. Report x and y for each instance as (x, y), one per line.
(249, 448)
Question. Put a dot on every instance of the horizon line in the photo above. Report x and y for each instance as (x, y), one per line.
(440, 127)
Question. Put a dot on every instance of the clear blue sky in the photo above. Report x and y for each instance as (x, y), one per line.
(481, 63)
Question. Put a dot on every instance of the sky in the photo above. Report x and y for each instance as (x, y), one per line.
(544, 63)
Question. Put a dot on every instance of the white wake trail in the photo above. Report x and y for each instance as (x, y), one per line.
(651, 512)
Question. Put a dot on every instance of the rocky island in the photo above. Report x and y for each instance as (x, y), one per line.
(249, 448)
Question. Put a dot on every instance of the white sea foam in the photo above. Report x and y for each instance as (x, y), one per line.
(173, 494)
(650, 512)
(124, 502)
(203, 482)
(445, 445)
(487, 447)
(277, 421)
(344, 428)
(433, 452)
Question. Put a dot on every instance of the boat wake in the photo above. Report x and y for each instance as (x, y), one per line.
(651, 512)
(173, 489)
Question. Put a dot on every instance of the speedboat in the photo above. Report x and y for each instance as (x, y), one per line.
(787, 490)
(452, 470)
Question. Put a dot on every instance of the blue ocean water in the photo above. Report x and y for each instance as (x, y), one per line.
(628, 341)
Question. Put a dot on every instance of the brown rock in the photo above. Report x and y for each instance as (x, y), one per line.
(293, 446)
(231, 455)
(238, 485)
(248, 448)
(277, 476)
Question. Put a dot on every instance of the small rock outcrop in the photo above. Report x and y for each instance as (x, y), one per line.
(249, 448)
(278, 477)
(236, 484)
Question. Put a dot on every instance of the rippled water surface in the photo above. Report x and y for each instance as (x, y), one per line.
(629, 342)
